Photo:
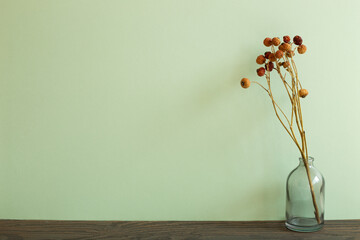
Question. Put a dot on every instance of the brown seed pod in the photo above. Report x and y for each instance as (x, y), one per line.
(303, 93)
(290, 54)
(272, 57)
(301, 49)
(281, 63)
(269, 66)
(286, 64)
(279, 54)
(286, 39)
(287, 47)
(297, 40)
(267, 42)
(260, 59)
(260, 71)
(281, 47)
(276, 41)
(266, 54)
(245, 83)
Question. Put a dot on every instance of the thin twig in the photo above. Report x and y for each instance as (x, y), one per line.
(260, 86)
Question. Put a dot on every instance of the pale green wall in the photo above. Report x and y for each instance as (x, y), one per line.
(132, 110)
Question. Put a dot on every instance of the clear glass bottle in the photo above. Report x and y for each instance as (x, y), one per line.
(300, 205)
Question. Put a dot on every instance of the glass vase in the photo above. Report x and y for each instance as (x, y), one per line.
(305, 201)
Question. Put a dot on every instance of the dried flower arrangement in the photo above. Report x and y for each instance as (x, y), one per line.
(282, 61)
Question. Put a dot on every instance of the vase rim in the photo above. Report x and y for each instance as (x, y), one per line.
(309, 158)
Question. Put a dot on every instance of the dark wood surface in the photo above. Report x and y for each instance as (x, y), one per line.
(40, 229)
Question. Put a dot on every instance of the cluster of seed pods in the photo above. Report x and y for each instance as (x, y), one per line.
(285, 48)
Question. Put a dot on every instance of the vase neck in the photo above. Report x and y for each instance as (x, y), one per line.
(310, 161)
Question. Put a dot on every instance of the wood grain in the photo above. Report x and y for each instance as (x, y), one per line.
(42, 229)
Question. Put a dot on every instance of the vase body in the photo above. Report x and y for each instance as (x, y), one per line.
(300, 205)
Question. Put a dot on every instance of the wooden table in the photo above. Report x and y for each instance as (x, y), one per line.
(39, 229)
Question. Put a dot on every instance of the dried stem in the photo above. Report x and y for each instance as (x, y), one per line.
(304, 151)
(260, 85)
(275, 105)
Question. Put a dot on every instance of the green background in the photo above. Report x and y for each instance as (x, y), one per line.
(132, 110)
